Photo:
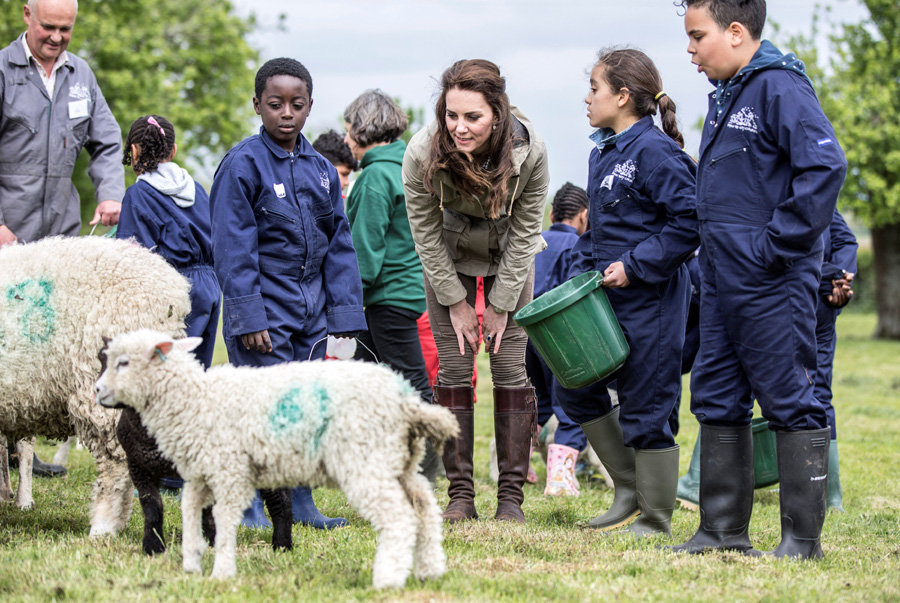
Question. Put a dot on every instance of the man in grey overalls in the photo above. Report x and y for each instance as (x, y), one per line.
(50, 108)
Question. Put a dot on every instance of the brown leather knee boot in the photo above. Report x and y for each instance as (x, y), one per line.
(515, 421)
(457, 454)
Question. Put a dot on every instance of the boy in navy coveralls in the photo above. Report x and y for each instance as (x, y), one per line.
(768, 179)
(282, 246)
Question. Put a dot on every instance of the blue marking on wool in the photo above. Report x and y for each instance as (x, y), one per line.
(287, 412)
(302, 405)
(320, 394)
(824, 141)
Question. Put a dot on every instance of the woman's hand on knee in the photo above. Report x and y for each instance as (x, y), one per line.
(465, 325)
(493, 327)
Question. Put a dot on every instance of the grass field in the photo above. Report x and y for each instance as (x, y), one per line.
(45, 553)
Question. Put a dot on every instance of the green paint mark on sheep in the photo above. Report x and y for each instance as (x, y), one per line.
(405, 386)
(32, 299)
(304, 403)
(287, 413)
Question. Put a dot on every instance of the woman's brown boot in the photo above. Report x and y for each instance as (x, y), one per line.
(515, 421)
(457, 454)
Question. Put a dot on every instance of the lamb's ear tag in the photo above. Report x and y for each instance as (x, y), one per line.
(162, 350)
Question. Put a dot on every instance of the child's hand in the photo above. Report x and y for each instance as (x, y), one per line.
(841, 291)
(614, 276)
(258, 341)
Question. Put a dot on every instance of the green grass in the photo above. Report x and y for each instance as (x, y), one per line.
(45, 552)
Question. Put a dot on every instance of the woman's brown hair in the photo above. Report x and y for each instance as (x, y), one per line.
(468, 177)
(634, 71)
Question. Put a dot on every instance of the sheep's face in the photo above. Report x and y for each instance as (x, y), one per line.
(114, 370)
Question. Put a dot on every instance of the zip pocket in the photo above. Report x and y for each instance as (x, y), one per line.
(612, 204)
(277, 215)
(728, 154)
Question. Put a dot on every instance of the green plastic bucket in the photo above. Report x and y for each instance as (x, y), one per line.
(765, 454)
(575, 330)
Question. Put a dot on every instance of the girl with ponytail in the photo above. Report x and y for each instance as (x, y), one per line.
(643, 227)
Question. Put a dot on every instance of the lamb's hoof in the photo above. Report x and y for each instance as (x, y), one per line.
(102, 528)
(223, 573)
(25, 504)
(429, 573)
(191, 567)
(395, 580)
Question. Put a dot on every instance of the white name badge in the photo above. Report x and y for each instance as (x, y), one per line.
(78, 108)
(279, 190)
(607, 182)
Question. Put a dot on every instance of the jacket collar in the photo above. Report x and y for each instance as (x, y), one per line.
(303, 147)
(563, 228)
(18, 56)
(605, 136)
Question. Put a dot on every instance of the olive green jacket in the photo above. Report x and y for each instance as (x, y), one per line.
(454, 236)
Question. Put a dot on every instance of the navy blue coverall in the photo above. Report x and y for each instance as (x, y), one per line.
(642, 213)
(768, 180)
(282, 250)
(551, 269)
(182, 236)
(840, 256)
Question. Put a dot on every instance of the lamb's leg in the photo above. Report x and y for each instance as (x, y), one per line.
(62, 454)
(193, 544)
(383, 502)
(278, 502)
(231, 500)
(6, 492)
(154, 541)
(429, 561)
(24, 494)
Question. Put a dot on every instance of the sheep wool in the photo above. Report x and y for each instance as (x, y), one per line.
(231, 430)
(58, 298)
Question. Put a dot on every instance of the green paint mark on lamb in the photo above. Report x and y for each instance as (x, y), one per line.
(31, 298)
(287, 412)
(307, 403)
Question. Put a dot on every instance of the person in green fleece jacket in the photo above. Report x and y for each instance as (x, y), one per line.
(393, 291)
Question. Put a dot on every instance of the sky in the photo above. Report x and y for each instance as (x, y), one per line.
(544, 49)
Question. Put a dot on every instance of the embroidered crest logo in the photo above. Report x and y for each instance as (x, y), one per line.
(324, 181)
(745, 120)
(79, 90)
(625, 171)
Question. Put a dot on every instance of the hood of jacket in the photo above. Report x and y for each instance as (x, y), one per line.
(766, 57)
(392, 153)
(172, 180)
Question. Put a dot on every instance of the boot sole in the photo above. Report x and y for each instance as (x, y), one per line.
(621, 523)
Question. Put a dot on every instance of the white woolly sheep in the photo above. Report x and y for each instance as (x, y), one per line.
(232, 430)
(58, 298)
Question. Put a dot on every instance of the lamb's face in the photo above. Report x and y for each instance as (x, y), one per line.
(115, 367)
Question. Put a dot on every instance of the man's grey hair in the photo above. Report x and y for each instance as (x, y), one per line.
(375, 117)
(32, 5)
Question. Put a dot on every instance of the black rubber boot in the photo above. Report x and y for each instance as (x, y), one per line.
(803, 471)
(605, 436)
(656, 473)
(41, 469)
(726, 491)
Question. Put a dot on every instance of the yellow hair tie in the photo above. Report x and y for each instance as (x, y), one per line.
(659, 96)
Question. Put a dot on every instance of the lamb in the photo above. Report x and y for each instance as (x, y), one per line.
(231, 430)
(58, 298)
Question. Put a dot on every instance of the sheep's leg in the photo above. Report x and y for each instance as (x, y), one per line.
(62, 454)
(6, 491)
(231, 500)
(278, 502)
(154, 541)
(24, 494)
(193, 499)
(429, 561)
(113, 490)
(384, 503)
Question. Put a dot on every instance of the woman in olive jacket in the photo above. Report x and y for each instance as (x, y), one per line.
(476, 184)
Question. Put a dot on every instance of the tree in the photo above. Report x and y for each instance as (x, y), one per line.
(184, 59)
(860, 92)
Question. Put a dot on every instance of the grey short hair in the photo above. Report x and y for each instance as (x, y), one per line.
(32, 5)
(375, 117)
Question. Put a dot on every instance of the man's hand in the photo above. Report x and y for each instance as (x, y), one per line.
(107, 213)
(6, 236)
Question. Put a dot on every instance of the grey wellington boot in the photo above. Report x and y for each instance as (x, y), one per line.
(688, 494)
(605, 436)
(656, 480)
(835, 495)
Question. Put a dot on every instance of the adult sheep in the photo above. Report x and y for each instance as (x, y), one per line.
(231, 430)
(58, 298)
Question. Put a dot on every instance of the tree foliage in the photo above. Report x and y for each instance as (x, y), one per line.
(860, 92)
(184, 59)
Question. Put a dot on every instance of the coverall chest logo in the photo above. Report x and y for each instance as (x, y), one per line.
(626, 171)
(745, 120)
